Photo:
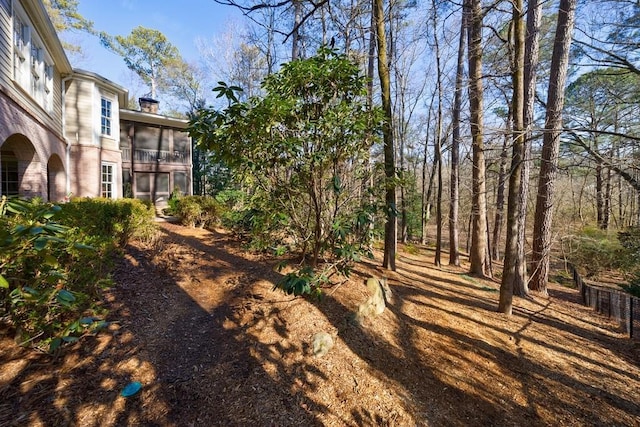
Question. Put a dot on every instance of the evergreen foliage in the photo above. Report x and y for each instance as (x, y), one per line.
(302, 153)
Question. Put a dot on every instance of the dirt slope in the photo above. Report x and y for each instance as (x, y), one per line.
(197, 323)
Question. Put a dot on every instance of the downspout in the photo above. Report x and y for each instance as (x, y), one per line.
(64, 136)
(191, 165)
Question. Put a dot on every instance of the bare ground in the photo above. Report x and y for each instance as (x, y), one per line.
(197, 323)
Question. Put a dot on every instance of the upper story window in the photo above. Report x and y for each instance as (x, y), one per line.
(20, 36)
(48, 86)
(105, 116)
(32, 67)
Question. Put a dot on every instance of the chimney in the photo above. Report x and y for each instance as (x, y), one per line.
(148, 105)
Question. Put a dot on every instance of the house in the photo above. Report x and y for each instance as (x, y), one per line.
(156, 154)
(67, 131)
(34, 154)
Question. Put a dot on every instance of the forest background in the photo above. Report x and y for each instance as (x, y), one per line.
(509, 128)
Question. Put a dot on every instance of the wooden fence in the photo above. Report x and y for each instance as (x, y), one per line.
(616, 304)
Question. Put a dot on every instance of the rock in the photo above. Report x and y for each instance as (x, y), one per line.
(375, 305)
(321, 344)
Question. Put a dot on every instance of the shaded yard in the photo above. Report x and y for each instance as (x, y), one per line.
(197, 323)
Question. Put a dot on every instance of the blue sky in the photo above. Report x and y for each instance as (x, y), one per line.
(181, 21)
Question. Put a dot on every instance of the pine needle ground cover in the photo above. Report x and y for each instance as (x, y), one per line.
(196, 322)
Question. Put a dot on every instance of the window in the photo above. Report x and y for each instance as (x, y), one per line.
(127, 189)
(10, 178)
(32, 66)
(180, 182)
(105, 117)
(108, 181)
(152, 186)
(20, 52)
(48, 87)
(20, 35)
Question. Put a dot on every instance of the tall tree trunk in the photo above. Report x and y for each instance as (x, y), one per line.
(513, 204)
(371, 60)
(399, 111)
(438, 141)
(426, 192)
(391, 225)
(608, 190)
(502, 178)
(550, 147)
(606, 217)
(531, 53)
(599, 195)
(295, 34)
(478, 252)
(454, 186)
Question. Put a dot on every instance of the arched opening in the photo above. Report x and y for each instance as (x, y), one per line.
(56, 179)
(20, 167)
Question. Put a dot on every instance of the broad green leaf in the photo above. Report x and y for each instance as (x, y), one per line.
(55, 228)
(86, 320)
(82, 247)
(101, 325)
(65, 296)
(36, 230)
(55, 344)
(3, 282)
(40, 243)
(50, 260)
(30, 291)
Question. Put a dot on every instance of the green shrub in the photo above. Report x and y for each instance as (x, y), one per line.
(198, 211)
(173, 201)
(49, 278)
(54, 261)
(115, 220)
(630, 240)
(594, 251)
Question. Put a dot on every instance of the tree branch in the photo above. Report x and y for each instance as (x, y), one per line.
(616, 59)
(598, 157)
(246, 11)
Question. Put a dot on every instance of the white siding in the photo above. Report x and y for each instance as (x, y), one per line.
(21, 92)
(5, 42)
(79, 109)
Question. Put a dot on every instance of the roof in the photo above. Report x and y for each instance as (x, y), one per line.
(153, 119)
(123, 93)
(40, 19)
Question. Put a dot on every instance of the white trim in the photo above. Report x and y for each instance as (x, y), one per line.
(98, 95)
(30, 74)
(106, 130)
(114, 179)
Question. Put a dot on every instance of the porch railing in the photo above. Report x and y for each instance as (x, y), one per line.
(153, 156)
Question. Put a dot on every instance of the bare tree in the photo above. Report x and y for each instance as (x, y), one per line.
(550, 146)
(391, 225)
(513, 204)
(531, 53)
(438, 138)
(454, 185)
(478, 252)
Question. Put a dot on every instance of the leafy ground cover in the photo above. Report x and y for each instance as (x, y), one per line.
(195, 320)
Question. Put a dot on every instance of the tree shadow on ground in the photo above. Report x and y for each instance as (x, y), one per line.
(201, 363)
(196, 364)
(545, 388)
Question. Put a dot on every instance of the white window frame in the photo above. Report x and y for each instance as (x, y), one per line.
(32, 65)
(108, 188)
(48, 86)
(106, 130)
(21, 48)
